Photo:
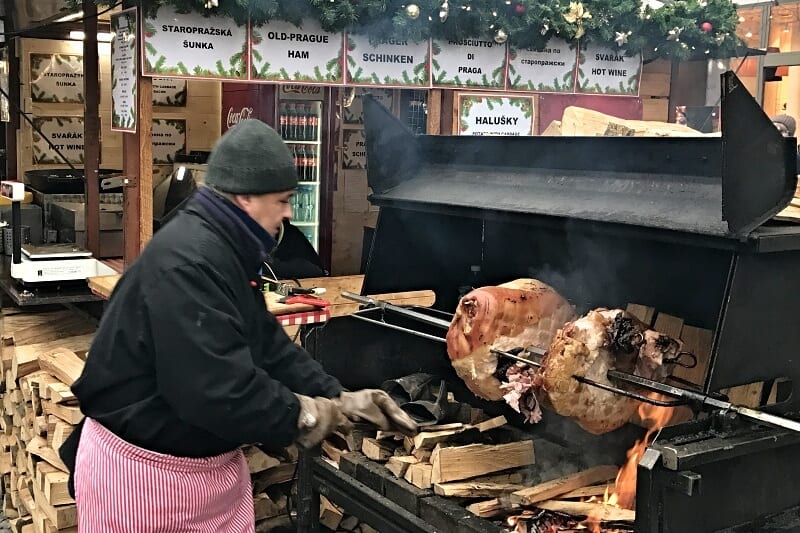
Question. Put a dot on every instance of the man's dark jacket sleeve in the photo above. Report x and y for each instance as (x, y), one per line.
(206, 371)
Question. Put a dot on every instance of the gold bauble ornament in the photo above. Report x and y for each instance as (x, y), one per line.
(500, 36)
(412, 10)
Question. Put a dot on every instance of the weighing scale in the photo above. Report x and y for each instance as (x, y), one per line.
(51, 263)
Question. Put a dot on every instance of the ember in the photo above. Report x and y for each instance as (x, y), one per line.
(552, 522)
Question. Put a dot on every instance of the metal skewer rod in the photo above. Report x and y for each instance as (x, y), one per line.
(433, 321)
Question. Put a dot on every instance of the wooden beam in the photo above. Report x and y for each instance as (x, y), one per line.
(604, 513)
(91, 127)
(12, 127)
(434, 111)
(470, 489)
(557, 487)
(464, 462)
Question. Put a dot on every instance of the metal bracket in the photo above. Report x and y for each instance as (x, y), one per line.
(118, 181)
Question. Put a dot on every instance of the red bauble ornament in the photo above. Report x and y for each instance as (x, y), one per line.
(706, 27)
(519, 9)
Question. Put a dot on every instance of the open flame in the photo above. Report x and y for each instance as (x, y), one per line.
(624, 494)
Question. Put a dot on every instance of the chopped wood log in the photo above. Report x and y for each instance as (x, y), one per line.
(588, 492)
(491, 424)
(419, 475)
(258, 461)
(429, 439)
(61, 325)
(511, 478)
(38, 447)
(274, 476)
(469, 489)
(60, 434)
(377, 450)
(63, 364)
(349, 523)
(68, 413)
(422, 455)
(557, 487)
(464, 462)
(55, 488)
(330, 516)
(604, 513)
(332, 451)
(62, 516)
(398, 465)
(642, 312)
(441, 427)
(492, 508)
(264, 507)
(73, 344)
(60, 393)
(389, 435)
(23, 364)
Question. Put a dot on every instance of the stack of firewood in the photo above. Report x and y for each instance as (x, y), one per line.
(42, 355)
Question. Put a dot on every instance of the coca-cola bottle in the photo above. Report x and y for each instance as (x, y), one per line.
(313, 162)
(284, 120)
(302, 162)
(302, 122)
(313, 118)
(291, 134)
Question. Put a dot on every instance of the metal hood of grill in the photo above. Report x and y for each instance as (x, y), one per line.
(724, 186)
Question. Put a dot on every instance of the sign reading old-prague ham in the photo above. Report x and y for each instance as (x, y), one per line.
(284, 52)
(548, 70)
(189, 44)
(468, 63)
(609, 70)
(57, 78)
(492, 115)
(391, 62)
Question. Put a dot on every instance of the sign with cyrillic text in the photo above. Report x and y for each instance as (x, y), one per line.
(495, 115)
(169, 138)
(283, 52)
(123, 71)
(391, 62)
(57, 78)
(66, 134)
(549, 70)
(170, 92)
(468, 63)
(608, 70)
(189, 44)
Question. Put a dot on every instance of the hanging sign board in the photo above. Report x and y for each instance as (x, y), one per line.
(5, 115)
(495, 115)
(468, 63)
(57, 78)
(354, 152)
(283, 52)
(290, 91)
(608, 70)
(169, 138)
(170, 92)
(550, 70)
(66, 134)
(123, 71)
(354, 113)
(191, 45)
(390, 63)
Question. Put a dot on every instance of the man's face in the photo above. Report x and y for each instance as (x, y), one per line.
(268, 210)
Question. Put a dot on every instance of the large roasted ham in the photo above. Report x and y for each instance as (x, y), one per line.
(518, 314)
(589, 347)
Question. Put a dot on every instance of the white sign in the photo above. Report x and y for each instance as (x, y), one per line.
(283, 52)
(123, 70)
(237, 115)
(494, 115)
(354, 152)
(191, 45)
(5, 115)
(169, 92)
(66, 134)
(291, 91)
(57, 78)
(354, 113)
(608, 70)
(468, 63)
(551, 70)
(169, 138)
(391, 62)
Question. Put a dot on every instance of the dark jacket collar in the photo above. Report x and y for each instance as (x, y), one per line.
(251, 242)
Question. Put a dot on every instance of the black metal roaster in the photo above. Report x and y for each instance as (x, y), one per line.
(680, 224)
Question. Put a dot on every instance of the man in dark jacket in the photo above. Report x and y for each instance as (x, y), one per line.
(188, 365)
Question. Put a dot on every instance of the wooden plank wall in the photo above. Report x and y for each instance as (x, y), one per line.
(655, 90)
(202, 112)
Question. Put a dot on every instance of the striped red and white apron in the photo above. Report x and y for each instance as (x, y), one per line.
(121, 488)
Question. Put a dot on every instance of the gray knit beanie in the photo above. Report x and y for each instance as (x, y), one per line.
(251, 158)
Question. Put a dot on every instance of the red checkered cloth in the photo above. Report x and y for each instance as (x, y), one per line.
(311, 317)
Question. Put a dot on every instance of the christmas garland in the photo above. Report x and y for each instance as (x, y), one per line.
(674, 29)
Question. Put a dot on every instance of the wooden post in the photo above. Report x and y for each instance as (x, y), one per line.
(91, 127)
(137, 157)
(12, 127)
(434, 111)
